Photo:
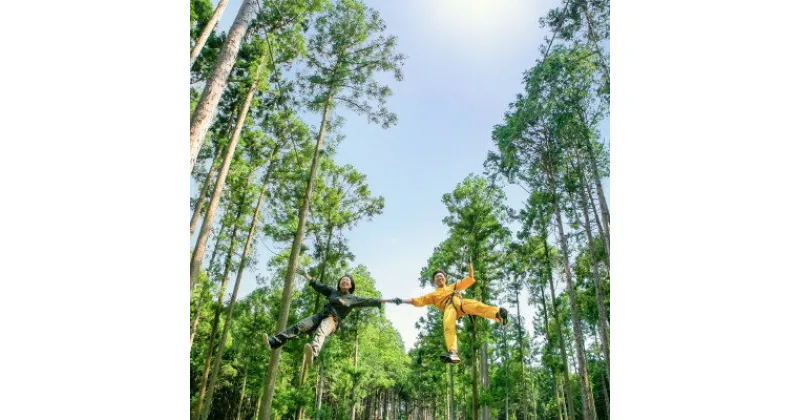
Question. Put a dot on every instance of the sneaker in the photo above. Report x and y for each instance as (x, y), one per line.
(502, 315)
(451, 357)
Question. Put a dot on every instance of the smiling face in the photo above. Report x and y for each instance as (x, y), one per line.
(345, 284)
(438, 279)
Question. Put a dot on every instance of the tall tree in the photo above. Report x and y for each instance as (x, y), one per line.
(347, 49)
(207, 28)
(207, 104)
(258, 81)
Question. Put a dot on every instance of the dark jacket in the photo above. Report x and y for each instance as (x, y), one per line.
(340, 304)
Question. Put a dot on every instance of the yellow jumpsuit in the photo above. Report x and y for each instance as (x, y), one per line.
(455, 308)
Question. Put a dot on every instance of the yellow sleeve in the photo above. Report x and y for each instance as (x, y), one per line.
(423, 300)
(463, 284)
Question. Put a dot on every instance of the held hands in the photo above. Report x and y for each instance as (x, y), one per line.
(303, 273)
(395, 300)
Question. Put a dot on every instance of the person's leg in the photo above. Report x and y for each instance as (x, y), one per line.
(303, 326)
(326, 328)
(474, 307)
(450, 336)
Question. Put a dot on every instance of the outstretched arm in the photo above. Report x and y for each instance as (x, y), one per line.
(466, 281)
(362, 302)
(418, 301)
(319, 287)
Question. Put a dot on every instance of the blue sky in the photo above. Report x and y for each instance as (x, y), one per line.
(464, 64)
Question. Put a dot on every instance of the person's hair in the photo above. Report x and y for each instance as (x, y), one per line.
(352, 283)
(437, 272)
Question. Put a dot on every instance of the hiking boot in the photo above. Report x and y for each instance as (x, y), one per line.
(502, 315)
(451, 357)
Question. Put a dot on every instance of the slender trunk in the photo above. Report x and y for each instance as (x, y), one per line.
(239, 274)
(288, 284)
(206, 107)
(576, 325)
(385, 398)
(217, 313)
(353, 391)
(588, 190)
(596, 176)
(201, 40)
(484, 378)
(522, 360)
(324, 266)
(558, 397)
(320, 389)
(201, 196)
(451, 395)
(603, 378)
(258, 406)
(209, 176)
(200, 248)
(547, 334)
(601, 307)
(211, 268)
(241, 397)
(474, 370)
(561, 345)
(595, 44)
(505, 363)
(198, 311)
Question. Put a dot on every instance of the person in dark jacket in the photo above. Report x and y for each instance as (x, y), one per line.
(340, 302)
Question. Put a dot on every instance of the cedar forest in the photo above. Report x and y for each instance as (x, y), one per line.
(262, 173)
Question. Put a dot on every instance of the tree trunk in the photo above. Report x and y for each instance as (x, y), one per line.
(596, 175)
(258, 406)
(229, 317)
(588, 189)
(215, 323)
(522, 360)
(241, 397)
(599, 224)
(603, 378)
(211, 268)
(576, 325)
(201, 40)
(324, 266)
(208, 221)
(558, 397)
(474, 370)
(561, 345)
(320, 389)
(206, 107)
(505, 363)
(201, 196)
(451, 395)
(200, 302)
(595, 44)
(601, 307)
(484, 378)
(288, 284)
(353, 391)
(209, 176)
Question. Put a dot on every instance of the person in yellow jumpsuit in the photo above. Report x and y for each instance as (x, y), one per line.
(447, 297)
